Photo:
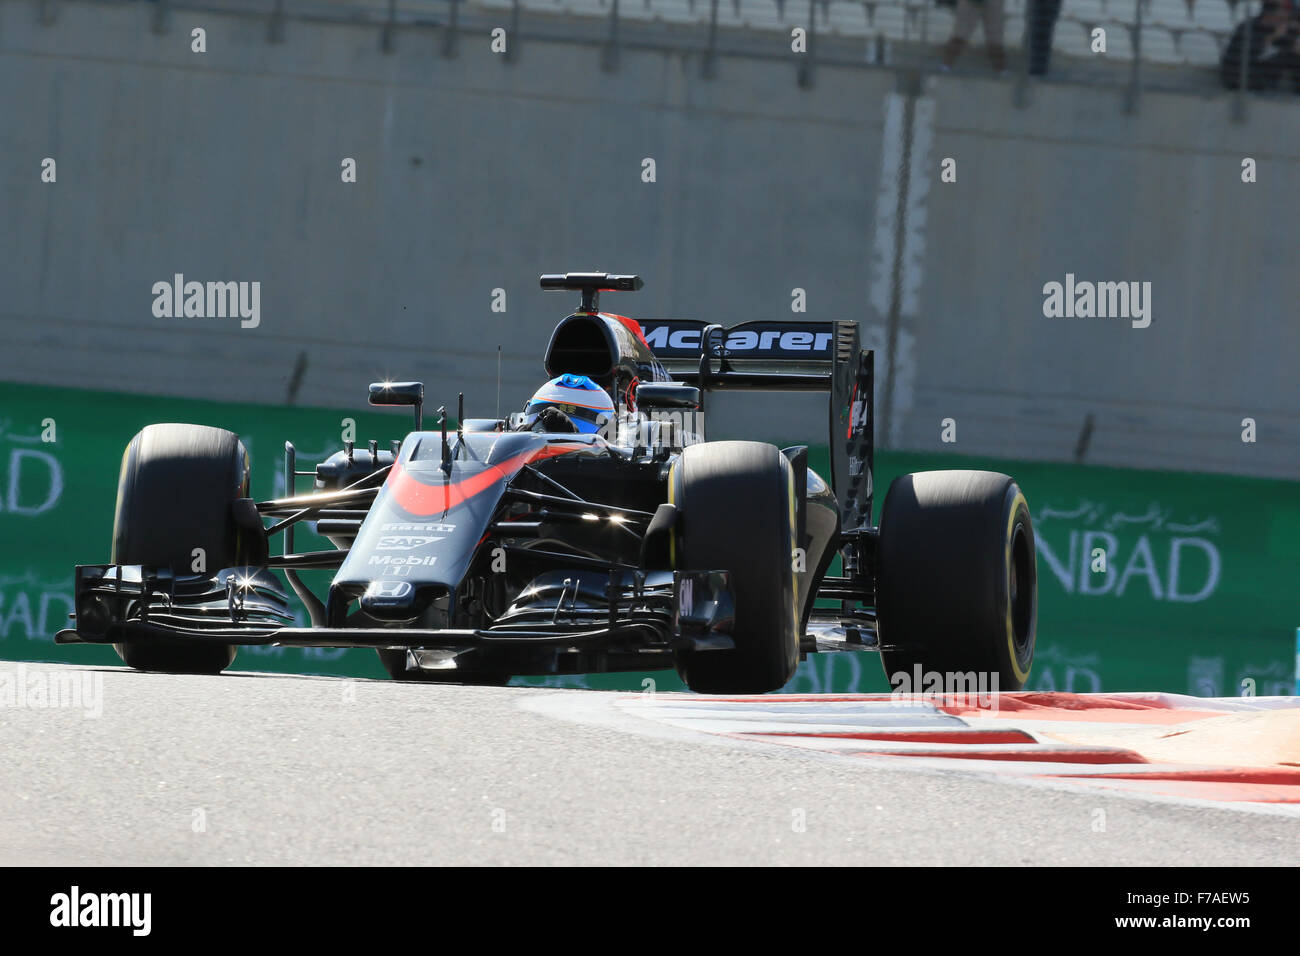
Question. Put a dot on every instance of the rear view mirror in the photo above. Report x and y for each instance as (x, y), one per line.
(396, 393)
(400, 393)
(667, 395)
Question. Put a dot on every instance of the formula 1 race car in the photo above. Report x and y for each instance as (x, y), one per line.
(525, 545)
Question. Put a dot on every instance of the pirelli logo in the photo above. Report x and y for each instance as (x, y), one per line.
(422, 526)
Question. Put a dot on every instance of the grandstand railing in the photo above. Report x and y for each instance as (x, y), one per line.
(1151, 44)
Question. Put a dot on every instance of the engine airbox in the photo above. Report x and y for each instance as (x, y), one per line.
(603, 347)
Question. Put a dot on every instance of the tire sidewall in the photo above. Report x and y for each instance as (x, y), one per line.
(764, 586)
(159, 522)
(944, 597)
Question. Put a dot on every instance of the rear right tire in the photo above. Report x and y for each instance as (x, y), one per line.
(957, 582)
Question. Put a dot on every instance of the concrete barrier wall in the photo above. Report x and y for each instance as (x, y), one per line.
(1072, 185)
(474, 174)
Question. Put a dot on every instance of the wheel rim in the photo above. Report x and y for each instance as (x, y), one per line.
(1021, 590)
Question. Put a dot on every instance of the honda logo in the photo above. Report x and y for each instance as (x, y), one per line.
(389, 590)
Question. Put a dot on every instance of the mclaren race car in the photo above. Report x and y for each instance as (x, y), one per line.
(497, 547)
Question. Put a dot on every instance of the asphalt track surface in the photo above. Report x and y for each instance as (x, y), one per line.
(275, 769)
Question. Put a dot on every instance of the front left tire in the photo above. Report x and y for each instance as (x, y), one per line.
(174, 498)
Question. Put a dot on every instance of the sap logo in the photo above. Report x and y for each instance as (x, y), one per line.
(417, 527)
(394, 542)
(744, 340)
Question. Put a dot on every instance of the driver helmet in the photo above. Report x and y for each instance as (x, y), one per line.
(588, 405)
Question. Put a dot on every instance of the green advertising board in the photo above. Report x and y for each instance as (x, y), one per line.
(1147, 580)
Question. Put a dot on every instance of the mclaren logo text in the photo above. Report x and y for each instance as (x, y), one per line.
(744, 340)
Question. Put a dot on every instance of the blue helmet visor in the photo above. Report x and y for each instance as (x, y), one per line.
(586, 420)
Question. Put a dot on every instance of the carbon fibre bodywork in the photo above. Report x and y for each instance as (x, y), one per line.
(530, 551)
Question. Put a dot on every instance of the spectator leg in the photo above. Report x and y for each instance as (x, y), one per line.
(1042, 23)
(993, 27)
(963, 25)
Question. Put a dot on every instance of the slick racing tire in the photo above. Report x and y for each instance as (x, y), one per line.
(735, 502)
(957, 586)
(173, 496)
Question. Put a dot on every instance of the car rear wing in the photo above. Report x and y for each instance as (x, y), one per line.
(784, 357)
